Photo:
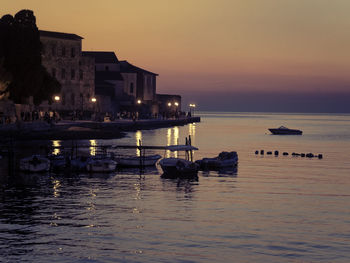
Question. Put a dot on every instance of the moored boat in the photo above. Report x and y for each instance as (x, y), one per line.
(34, 164)
(137, 161)
(179, 167)
(285, 131)
(223, 160)
(101, 165)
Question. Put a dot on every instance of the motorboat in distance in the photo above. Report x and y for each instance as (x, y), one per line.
(285, 131)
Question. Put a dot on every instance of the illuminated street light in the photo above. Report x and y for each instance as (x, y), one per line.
(57, 98)
(93, 99)
(139, 101)
(192, 106)
(176, 104)
(169, 104)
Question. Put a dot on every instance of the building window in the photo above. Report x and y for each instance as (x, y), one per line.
(72, 52)
(53, 50)
(54, 72)
(72, 74)
(63, 51)
(131, 88)
(107, 68)
(63, 73)
(81, 75)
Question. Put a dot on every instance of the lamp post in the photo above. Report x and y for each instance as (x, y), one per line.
(139, 101)
(93, 100)
(176, 109)
(57, 99)
(192, 107)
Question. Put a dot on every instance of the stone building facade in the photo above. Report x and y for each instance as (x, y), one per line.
(109, 83)
(141, 84)
(62, 57)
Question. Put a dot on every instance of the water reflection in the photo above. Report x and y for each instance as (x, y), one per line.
(223, 172)
(138, 138)
(93, 144)
(192, 129)
(56, 187)
(172, 139)
(55, 146)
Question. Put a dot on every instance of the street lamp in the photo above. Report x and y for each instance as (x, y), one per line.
(57, 99)
(192, 107)
(169, 104)
(139, 101)
(93, 99)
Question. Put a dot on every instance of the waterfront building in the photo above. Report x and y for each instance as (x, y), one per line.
(109, 83)
(62, 57)
(169, 105)
(142, 85)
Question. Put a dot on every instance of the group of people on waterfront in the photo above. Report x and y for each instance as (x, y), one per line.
(53, 116)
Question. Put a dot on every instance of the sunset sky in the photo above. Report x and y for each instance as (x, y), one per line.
(239, 55)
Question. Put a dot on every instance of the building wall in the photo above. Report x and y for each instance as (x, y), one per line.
(130, 82)
(149, 87)
(107, 67)
(62, 59)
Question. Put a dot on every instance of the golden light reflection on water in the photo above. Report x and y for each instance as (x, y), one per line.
(138, 138)
(56, 188)
(172, 139)
(55, 145)
(168, 138)
(93, 144)
(192, 129)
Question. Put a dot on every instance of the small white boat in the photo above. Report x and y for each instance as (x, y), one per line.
(101, 165)
(34, 164)
(179, 167)
(223, 160)
(137, 161)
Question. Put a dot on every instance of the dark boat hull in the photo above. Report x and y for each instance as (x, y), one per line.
(285, 132)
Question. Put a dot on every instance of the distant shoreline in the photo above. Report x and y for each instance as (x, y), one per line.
(80, 130)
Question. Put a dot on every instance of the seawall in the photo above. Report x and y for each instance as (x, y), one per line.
(74, 130)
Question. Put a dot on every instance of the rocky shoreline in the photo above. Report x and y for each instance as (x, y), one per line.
(79, 130)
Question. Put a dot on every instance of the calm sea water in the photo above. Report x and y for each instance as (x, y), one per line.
(271, 209)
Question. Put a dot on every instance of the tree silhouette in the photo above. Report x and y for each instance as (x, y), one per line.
(20, 60)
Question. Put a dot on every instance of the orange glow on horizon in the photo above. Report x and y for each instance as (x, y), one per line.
(241, 45)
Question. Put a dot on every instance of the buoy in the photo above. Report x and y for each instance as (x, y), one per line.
(276, 152)
(261, 151)
(320, 156)
(285, 153)
(269, 152)
(302, 155)
(256, 152)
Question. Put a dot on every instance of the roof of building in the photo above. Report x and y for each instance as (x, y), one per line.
(108, 75)
(126, 67)
(60, 35)
(102, 56)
